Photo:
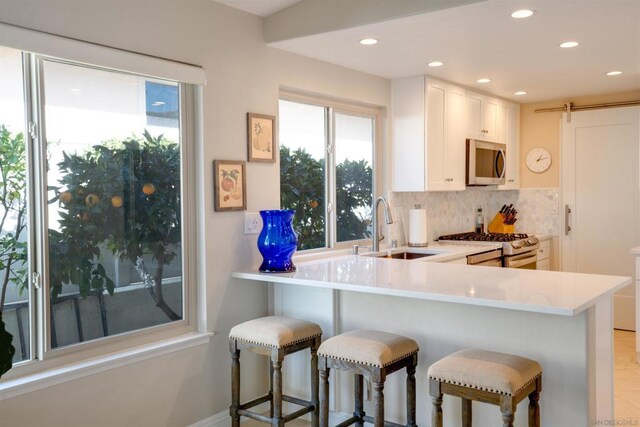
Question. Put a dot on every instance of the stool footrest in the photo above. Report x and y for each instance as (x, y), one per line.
(295, 400)
(369, 419)
(348, 422)
(254, 416)
(243, 409)
(299, 413)
(255, 402)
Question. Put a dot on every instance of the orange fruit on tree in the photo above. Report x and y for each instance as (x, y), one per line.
(91, 200)
(66, 196)
(148, 189)
(117, 202)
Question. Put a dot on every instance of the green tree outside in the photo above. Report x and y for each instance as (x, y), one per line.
(302, 189)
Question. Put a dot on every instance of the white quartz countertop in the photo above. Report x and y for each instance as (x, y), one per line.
(550, 292)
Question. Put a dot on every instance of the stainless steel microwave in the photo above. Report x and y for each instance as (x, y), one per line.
(486, 162)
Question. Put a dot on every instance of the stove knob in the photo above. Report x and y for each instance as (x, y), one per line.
(517, 244)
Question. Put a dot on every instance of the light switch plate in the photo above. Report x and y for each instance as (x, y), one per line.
(252, 223)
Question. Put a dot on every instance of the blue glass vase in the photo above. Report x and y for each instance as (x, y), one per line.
(277, 241)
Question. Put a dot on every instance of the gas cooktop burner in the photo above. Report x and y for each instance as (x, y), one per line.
(485, 237)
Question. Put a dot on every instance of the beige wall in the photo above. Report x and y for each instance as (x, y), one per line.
(243, 75)
(543, 130)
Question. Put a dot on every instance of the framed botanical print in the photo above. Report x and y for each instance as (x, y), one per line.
(261, 137)
(230, 188)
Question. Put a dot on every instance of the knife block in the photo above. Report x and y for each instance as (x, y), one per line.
(497, 225)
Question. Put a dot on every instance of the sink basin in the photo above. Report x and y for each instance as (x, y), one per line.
(405, 254)
(409, 255)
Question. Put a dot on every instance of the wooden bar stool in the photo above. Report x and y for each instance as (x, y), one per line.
(489, 377)
(374, 355)
(276, 337)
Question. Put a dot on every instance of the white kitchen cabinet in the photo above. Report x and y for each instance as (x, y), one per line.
(508, 133)
(428, 135)
(544, 255)
(481, 117)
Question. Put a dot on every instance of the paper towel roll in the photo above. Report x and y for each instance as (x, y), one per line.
(418, 227)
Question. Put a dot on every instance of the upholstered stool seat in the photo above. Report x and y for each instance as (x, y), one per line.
(490, 377)
(275, 331)
(276, 337)
(371, 354)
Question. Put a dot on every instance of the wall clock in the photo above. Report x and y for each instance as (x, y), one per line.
(538, 160)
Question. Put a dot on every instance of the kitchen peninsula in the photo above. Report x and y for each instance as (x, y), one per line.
(562, 320)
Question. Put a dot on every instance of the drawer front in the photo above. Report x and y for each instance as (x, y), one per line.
(544, 251)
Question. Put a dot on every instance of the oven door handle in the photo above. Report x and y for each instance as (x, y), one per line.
(520, 260)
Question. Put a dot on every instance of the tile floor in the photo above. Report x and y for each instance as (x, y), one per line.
(626, 383)
(626, 377)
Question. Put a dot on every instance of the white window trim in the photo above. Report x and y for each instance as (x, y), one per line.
(349, 108)
(87, 358)
(65, 373)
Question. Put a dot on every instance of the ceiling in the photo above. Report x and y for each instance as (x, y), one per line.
(482, 40)
(259, 7)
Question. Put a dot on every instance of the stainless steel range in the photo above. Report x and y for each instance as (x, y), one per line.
(518, 250)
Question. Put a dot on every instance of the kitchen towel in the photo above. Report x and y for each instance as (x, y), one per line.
(418, 227)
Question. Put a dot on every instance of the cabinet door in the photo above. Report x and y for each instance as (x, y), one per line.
(435, 134)
(408, 123)
(481, 117)
(455, 147)
(508, 133)
(489, 119)
(473, 115)
(544, 264)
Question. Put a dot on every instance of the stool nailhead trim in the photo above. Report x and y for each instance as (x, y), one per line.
(275, 346)
(504, 393)
(344, 359)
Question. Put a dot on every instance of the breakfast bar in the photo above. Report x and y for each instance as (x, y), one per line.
(562, 320)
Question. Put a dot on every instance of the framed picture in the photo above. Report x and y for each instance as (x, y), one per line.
(261, 138)
(229, 183)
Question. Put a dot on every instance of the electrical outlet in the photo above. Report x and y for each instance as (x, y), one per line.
(252, 223)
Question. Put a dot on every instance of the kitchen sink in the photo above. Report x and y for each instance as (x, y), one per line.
(405, 254)
(408, 255)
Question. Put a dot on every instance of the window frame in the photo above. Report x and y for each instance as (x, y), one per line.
(333, 107)
(42, 356)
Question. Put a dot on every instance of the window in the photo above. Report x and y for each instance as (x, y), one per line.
(15, 300)
(110, 150)
(327, 171)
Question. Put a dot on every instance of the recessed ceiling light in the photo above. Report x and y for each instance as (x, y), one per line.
(520, 92)
(569, 44)
(368, 41)
(436, 64)
(484, 80)
(523, 13)
(614, 73)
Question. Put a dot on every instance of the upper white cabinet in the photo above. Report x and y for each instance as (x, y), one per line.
(428, 135)
(508, 133)
(481, 117)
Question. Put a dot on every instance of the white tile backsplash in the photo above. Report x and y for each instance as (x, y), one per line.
(455, 211)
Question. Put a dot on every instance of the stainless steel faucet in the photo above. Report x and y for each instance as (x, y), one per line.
(377, 237)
